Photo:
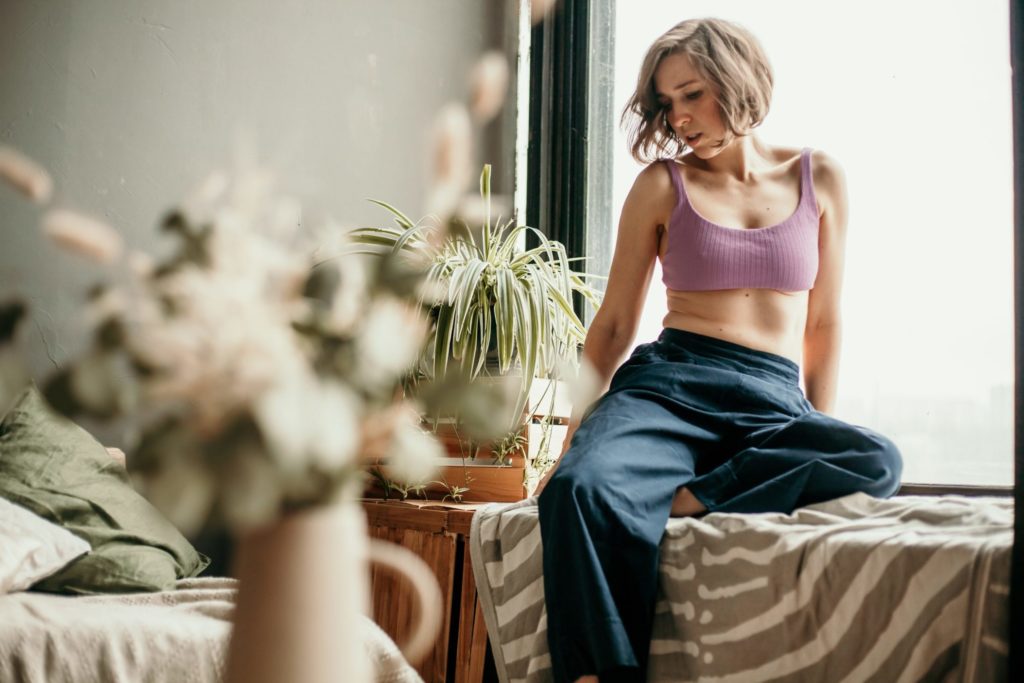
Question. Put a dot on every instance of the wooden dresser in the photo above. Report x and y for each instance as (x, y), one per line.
(438, 533)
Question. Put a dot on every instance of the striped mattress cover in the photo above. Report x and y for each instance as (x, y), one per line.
(913, 588)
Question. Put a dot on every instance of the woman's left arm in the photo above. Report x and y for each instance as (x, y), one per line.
(823, 332)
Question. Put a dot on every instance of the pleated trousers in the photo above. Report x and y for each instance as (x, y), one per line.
(728, 422)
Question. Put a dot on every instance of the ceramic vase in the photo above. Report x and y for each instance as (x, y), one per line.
(303, 593)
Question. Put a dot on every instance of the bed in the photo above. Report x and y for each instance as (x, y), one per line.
(178, 636)
(95, 584)
(913, 588)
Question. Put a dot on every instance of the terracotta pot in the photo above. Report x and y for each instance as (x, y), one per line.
(304, 581)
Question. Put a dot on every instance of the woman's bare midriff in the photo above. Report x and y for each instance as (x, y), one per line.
(763, 319)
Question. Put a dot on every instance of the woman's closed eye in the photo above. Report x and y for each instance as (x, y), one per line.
(666, 105)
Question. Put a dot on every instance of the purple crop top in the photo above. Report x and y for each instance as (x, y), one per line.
(702, 255)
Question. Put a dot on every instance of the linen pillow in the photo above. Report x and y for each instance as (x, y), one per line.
(57, 470)
(32, 548)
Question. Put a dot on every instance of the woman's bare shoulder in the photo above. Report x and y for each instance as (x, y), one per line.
(653, 190)
(829, 179)
(825, 164)
(654, 177)
(651, 199)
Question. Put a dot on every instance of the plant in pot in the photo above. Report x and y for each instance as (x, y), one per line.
(504, 317)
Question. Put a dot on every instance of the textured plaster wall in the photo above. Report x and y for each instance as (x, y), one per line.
(130, 104)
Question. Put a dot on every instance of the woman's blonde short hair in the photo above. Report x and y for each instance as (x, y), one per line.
(725, 54)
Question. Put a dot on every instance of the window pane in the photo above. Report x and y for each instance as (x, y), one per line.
(921, 121)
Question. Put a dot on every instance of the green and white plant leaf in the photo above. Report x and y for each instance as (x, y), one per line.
(500, 302)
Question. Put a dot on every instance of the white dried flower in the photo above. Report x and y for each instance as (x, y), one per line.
(225, 334)
(389, 342)
(281, 414)
(141, 264)
(245, 253)
(110, 302)
(333, 426)
(25, 175)
(226, 343)
(378, 429)
(584, 383)
(443, 199)
(351, 297)
(539, 9)
(488, 86)
(82, 235)
(309, 422)
(252, 190)
(285, 217)
(200, 204)
(414, 455)
(331, 239)
(431, 291)
(453, 146)
(473, 209)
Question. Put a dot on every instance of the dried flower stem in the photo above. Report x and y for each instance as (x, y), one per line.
(25, 175)
(82, 235)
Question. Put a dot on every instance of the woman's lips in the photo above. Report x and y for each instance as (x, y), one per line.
(690, 139)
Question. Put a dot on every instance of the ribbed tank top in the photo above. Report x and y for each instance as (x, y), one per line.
(702, 255)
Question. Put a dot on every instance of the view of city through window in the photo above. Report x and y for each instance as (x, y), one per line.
(913, 100)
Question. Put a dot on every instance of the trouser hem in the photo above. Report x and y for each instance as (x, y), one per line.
(616, 655)
(712, 489)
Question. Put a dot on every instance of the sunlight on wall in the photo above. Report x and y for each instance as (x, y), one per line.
(921, 121)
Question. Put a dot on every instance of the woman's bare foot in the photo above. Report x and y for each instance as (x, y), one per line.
(685, 504)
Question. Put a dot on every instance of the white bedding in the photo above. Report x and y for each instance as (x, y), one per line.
(178, 636)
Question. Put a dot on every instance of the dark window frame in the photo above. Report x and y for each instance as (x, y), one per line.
(558, 125)
(569, 152)
(568, 113)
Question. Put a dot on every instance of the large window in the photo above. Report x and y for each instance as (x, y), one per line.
(913, 99)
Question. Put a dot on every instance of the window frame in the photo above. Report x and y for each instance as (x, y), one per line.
(569, 152)
(568, 197)
(569, 155)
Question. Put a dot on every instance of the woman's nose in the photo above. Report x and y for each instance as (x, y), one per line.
(679, 116)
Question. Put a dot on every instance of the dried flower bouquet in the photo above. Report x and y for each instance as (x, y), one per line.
(262, 377)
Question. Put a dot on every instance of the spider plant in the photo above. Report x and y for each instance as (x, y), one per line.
(502, 308)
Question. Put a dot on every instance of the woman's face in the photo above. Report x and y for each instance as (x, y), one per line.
(689, 104)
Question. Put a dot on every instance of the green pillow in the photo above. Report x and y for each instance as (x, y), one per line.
(57, 470)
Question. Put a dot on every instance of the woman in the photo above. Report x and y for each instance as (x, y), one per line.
(711, 416)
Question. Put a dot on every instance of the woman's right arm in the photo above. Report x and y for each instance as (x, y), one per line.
(610, 336)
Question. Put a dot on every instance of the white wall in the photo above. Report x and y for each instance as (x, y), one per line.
(129, 104)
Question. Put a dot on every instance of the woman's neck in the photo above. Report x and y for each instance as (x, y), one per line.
(744, 159)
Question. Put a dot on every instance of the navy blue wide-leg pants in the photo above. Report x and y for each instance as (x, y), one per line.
(728, 422)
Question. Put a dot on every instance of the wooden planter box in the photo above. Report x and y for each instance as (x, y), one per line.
(486, 480)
